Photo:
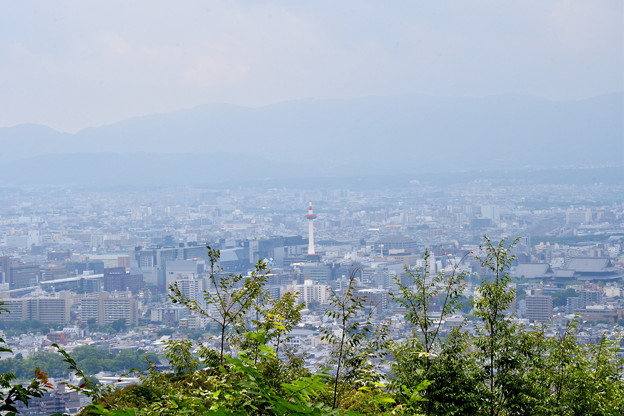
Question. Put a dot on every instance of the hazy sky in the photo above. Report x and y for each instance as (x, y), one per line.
(74, 64)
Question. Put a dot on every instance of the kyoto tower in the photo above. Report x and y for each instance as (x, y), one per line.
(310, 216)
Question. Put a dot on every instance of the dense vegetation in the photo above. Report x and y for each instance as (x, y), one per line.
(13, 328)
(569, 239)
(499, 369)
(90, 359)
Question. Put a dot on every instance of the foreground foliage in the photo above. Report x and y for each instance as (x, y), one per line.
(500, 368)
(12, 393)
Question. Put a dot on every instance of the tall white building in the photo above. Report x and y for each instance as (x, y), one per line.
(106, 308)
(309, 292)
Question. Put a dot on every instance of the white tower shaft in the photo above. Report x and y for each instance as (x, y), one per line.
(310, 216)
(311, 236)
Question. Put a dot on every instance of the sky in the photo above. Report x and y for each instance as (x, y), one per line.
(76, 64)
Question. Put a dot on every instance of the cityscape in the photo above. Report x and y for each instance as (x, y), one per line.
(95, 266)
(278, 208)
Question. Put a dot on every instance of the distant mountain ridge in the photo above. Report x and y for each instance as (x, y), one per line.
(398, 134)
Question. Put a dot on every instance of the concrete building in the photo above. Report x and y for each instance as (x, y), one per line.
(309, 292)
(573, 303)
(107, 308)
(374, 298)
(169, 314)
(118, 280)
(539, 308)
(317, 272)
(5, 269)
(395, 244)
(49, 310)
(178, 269)
(61, 400)
(193, 289)
(24, 275)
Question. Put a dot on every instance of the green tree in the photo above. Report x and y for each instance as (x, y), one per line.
(507, 352)
(119, 325)
(560, 298)
(503, 369)
(232, 298)
(580, 379)
(12, 392)
(92, 324)
(273, 320)
(49, 362)
(179, 354)
(354, 343)
(453, 378)
(418, 292)
(422, 290)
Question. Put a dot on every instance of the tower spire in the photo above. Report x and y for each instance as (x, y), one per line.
(310, 216)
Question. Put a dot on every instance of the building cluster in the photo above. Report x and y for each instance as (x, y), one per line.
(86, 260)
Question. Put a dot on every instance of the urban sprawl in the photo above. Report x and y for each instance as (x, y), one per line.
(94, 267)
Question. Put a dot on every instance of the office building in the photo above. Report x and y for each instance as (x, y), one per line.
(107, 308)
(539, 308)
(49, 310)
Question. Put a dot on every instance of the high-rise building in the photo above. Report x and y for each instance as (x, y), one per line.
(539, 308)
(79, 268)
(16, 310)
(491, 212)
(316, 272)
(5, 269)
(586, 298)
(118, 280)
(107, 308)
(192, 289)
(178, 269)
(48, 310)
(309, 292)
(374, 298)
(24, 275)
(573, 303)
(590, 297)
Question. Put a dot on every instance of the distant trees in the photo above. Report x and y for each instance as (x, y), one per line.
(12, 328)
(117, 326)
(560, 298)
(90, 359)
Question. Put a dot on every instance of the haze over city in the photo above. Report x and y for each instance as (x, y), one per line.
(72, 65)
(427, 194)
(356, 88)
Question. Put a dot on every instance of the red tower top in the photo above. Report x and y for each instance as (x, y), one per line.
(310, 215)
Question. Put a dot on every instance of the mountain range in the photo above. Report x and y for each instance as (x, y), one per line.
(322, 138)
